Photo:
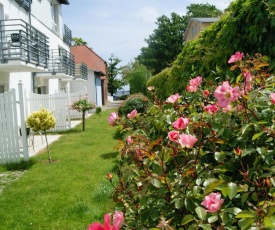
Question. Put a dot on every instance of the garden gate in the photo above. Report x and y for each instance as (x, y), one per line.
(10, 140)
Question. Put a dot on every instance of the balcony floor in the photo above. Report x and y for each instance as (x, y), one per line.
(20, 66)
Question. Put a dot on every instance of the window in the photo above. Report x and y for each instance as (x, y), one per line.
(54, 12)
(2, 89)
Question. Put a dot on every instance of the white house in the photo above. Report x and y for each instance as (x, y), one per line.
(35, 47)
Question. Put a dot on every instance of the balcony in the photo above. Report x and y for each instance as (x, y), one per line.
(22, 47)
(26, 4)
(67, 37)
(61, 65)
(81, 72)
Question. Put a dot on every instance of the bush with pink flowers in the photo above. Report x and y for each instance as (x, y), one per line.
(204, 158)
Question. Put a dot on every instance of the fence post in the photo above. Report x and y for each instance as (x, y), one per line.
(69, 103)
(23, 123)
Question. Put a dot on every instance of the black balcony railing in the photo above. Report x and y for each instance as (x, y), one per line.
(26, 4)
(67, 37)
(20, 41)
(81, 71)
(61, 61)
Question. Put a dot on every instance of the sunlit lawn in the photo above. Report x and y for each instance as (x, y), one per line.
(69, 193)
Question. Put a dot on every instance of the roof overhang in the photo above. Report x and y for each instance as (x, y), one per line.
(100, 73)
(65, 2)
(55, 75)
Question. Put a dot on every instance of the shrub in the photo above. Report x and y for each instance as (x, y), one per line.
(204, 159)
(135, 101)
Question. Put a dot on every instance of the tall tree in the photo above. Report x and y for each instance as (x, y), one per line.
(202, 11)
(136, 75)
(165, 43)
(113, 71)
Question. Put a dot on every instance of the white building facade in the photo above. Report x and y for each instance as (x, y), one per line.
(35, 47)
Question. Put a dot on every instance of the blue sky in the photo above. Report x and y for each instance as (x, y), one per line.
(119, 27)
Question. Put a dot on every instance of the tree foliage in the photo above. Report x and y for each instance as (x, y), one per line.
(166, 41)
(136, 75)
(113, 71)
(247, 26)
(78, 42)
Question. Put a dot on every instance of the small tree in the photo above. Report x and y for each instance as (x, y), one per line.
(42, 120)
(83, 105)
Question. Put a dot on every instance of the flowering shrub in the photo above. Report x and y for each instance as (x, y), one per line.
(42, 120)
(203, 159)
(82, 105)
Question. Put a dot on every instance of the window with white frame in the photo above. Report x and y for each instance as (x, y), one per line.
(55, 19)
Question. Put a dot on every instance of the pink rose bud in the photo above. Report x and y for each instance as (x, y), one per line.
(132, 114)
(173, 135)
(195, 81)
(206, 93)
(191, 88)
(211, 109)
(181, 123)
(118, 220)
(112, 118)
(272, 96)
(213, 202)
(129, 140)
(187, 141)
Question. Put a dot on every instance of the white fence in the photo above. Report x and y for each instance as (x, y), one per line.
(9, 131)
(59, 104)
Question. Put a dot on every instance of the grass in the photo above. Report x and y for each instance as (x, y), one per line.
(69, 193)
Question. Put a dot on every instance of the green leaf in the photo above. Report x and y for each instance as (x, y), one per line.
(269, 222)
(245, 223)
(219, 156)
(257, 135)
(244, 197)
(232, 190)
(244, 128)
(212, 184)
(205, 226)
(155, 182)
(212, 219)
(270, 212)
(201, 212)
(245, 214)
(234, 210)
(187, 219)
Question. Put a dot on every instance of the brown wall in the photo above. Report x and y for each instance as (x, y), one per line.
(94, 62)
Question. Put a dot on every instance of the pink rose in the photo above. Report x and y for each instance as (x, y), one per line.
(225, 94)
(237, 57)
(193, 84)
(195, 81)
(112, 118)
(181, 123)
(173, 98)
(211, 109)
(213, 202)
(118, 220)
(272, 96)
(191, 88)
(173, 135)
(132, 114)
(187, 141)
(129, 139)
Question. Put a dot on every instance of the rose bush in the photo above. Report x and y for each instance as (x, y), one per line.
(213, 170)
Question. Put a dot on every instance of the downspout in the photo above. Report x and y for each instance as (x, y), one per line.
(95, 88)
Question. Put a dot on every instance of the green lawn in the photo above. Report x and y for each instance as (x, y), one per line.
(69, 193)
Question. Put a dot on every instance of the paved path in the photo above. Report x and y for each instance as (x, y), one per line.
(40, 142)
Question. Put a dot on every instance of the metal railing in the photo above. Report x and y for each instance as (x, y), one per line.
(67, 38)
(20, 41)
(61, 61)
(81, 71)
(26, 4)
